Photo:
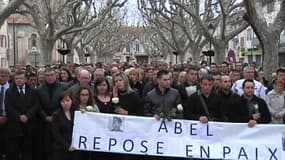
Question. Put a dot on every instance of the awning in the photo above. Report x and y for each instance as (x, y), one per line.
(249, 52)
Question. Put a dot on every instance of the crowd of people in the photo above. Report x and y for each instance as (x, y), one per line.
(37, 104)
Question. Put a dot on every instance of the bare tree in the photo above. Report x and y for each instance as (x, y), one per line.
(167, 26)
(53, 19)
(10, 8)
(267, 33)
(225, 15)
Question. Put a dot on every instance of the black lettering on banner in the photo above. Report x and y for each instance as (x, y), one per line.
(192, 129)
(207, 153)
(188, 150)
(145, 147)
(208, 130)
(242, 153)
(178, 128)
(158, 147)
(256, 153)
(163, 127)
(125, 143)
(226, 150)
(82, 140)
(273, 153)
(112, 142)
(95, 142)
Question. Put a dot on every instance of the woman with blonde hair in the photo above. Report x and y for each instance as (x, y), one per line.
(135, 81)
(126, 100)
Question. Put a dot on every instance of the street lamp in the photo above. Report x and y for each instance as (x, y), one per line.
(86, 55)
(210, 52)
(176, 53)
(63, 52)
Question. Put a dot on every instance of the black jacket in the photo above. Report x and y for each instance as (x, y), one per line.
(131, 102)
(194, 109)
(265, 116)
(48, 105)
(17, 105)
(62, 129)
(233, 109)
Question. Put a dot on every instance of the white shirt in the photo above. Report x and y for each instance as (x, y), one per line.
(259, 89)
(6, 86)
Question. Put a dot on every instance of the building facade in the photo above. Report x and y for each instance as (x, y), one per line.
(246, 44)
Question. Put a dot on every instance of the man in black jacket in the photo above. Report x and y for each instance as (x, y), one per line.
(204, 105)
(233, 110)
(258, 111)
(48, 95)
(22, 107)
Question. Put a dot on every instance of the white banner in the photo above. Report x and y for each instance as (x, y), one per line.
(177, 138)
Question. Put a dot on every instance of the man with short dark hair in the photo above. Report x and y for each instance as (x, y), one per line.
(204, 105)
(48, 94)
(257, 107)
(280, 74)
(162, 98)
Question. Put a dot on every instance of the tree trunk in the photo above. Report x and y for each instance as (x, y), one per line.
(195, 55)
(270, 57)
(46, 49)
(220, 50)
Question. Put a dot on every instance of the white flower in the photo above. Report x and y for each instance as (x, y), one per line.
(180, 107)
(256, 107)
(115, 100)
(89, 108)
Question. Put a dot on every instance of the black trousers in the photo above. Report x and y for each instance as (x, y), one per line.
(2, 141)
(19, 148)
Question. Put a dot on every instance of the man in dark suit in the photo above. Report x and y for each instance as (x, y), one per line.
(21, 106)
(48, 95)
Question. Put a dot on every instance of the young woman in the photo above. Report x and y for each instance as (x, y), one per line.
(62, 125)
(84, 100)
(129, 103)
(103, 97)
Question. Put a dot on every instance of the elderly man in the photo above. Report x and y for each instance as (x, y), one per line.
(259, 89)
(84, 80)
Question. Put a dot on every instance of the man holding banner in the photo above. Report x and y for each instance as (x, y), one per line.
(204, 105)
(257, 107)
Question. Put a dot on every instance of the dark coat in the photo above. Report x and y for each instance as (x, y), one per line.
(265, 116)
(62, 129)
(233, 109)
(48, 105)
(194, 109)
(131, 102)
(17, 105)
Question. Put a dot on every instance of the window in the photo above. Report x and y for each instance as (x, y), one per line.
(33, 41)
(137, 47)
(128, 49)
(249, 34)
(242, 42)
(3, 42)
